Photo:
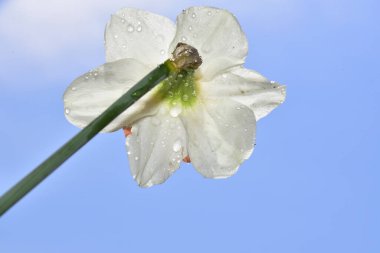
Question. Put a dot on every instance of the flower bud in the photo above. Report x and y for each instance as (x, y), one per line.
(186, 57)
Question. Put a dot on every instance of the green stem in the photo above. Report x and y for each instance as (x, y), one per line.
(86, 134)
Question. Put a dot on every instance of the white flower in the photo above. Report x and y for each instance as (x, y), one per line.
(208, 116)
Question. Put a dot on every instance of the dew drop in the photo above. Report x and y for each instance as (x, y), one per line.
(172, 125)
(130, 28)
(86, 77)
(224, 76)
(123, 20)
(193, 15)
(124, 46)
(156, 121)
(116, 36)
(209, 13)
(136, 158)
(73, 88)
(175, 111)
(195, 35)
(185, 97)
(67, 110)
(177, 145)
(129, 152)
(139, 28)
(206, 48)
(190, 28)
(238, 108)
(162, 52)
(183, 38)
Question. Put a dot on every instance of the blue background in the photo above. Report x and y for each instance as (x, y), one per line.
(312, 184)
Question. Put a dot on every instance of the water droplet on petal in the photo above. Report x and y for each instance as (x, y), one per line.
(190, 28)
(185, 97)
(139, 28)
(67, 110)
(123, 20)
(130, 28)
(124, 46)
(129, 152)
(195, 35)
(162, 52)
(175, 110)
(73, 88)
(209, 13)
(183, 38)
(136, 158)
(86, 77)
(156, 121)
(238, 108)
(116, 36)
(177, 145)
(206, 48)
(193, 15)
(172, 125)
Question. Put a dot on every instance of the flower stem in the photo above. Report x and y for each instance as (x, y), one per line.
(13, 195)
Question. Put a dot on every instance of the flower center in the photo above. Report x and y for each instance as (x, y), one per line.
(179, 89)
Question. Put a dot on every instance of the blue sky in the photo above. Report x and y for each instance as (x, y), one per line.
(312, 184)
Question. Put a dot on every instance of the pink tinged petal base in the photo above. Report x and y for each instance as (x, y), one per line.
(221, 135)
(156, 147)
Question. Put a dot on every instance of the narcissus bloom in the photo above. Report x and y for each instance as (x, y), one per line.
(206, 116)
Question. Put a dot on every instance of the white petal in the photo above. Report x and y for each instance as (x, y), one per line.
(90, 94)
(155, 148)
(247, 87)
(216, 34)
(140, 35)
(221, 135)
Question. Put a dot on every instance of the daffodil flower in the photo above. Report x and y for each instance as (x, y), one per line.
(206, 116)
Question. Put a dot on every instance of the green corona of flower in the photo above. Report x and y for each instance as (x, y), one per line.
(205, 112)
(179, 88)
